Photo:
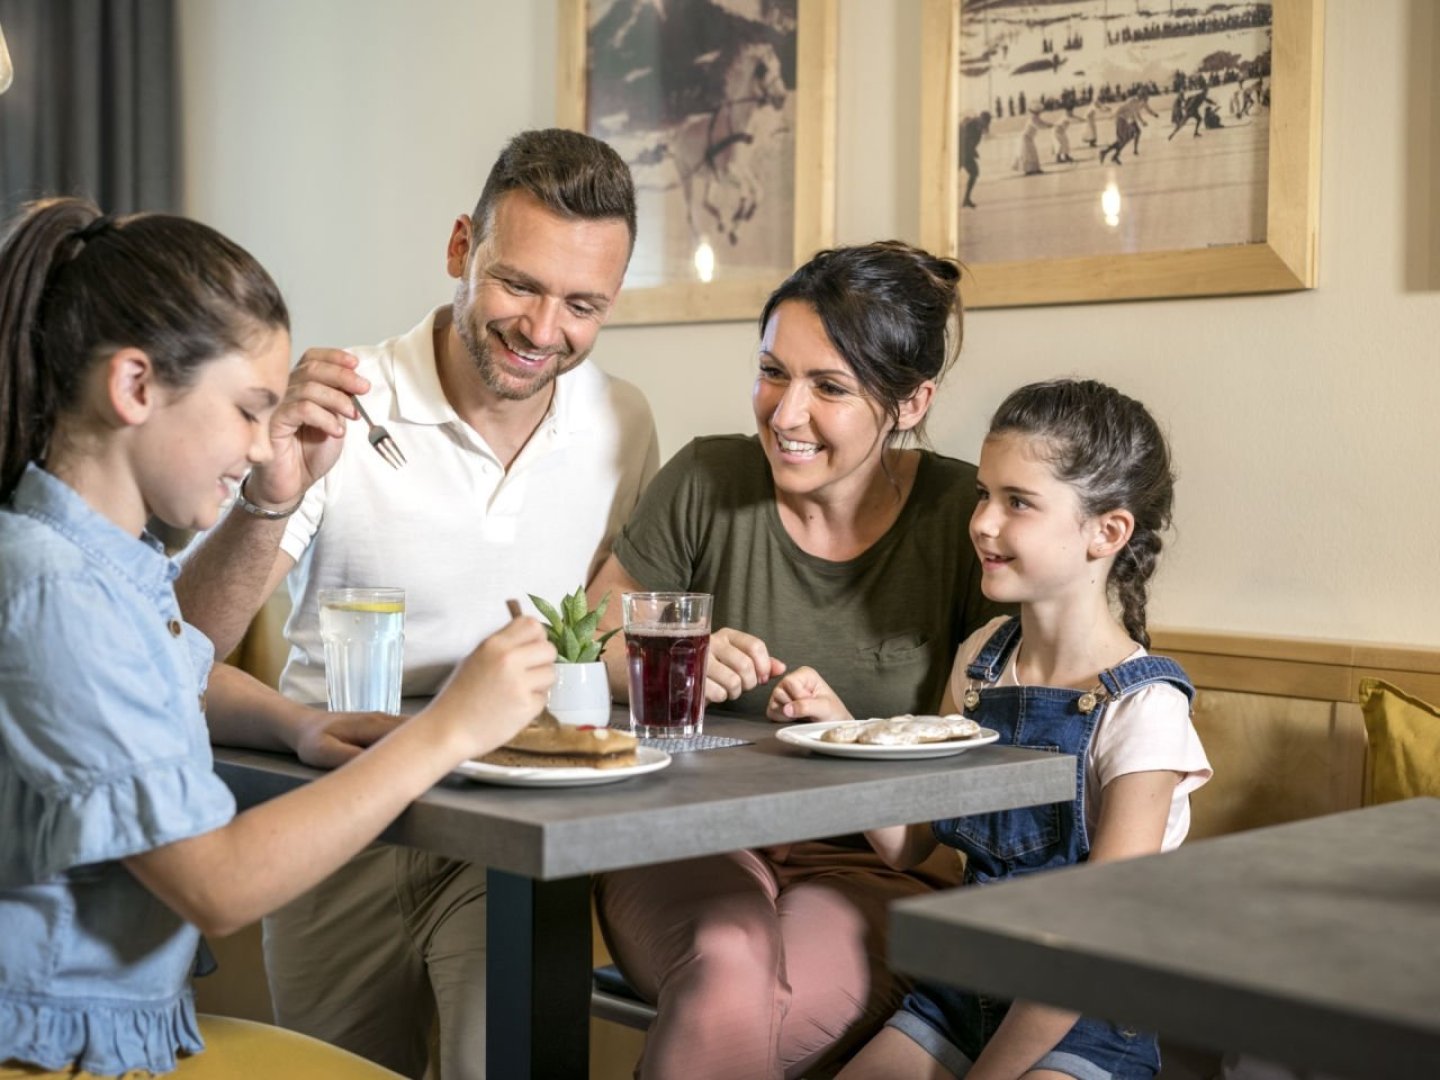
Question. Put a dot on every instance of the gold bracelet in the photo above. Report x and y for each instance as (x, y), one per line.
(259, 511)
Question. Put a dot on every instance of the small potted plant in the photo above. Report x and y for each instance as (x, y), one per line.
(581, 694)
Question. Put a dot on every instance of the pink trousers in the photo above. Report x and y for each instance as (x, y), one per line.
(762, 964)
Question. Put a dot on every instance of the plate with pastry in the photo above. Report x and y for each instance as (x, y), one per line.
(559, 755)
(890, 737)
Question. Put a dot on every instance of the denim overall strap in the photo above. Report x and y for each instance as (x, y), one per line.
(1143, 670)
(990, 661)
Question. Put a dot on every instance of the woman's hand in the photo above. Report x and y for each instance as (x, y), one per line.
(738, 662)
(327, 740)
(804, 695)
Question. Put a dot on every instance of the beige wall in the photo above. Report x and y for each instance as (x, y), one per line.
(1304, 425)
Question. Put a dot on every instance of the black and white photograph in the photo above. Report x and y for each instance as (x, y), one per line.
(698, 96)
(1111, 127)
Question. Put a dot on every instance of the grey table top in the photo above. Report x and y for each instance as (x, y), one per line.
(1315, 943)
(705, 802)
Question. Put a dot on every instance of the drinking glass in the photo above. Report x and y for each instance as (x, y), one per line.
(667, 639)
(364, 635)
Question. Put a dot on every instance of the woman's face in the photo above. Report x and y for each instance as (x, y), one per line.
(822, 433)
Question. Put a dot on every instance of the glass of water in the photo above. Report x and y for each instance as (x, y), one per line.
(364, 635)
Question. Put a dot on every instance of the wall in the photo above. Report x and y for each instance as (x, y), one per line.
(1303, 425)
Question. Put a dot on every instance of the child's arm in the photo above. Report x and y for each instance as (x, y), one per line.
(1133, 811)
(242, 711)
(229, 877)
(804, 695)
(906, 846)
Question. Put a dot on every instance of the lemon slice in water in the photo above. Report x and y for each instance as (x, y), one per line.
(379, 607)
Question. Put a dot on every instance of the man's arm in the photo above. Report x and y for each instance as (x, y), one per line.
(237, 566)
(233, 571)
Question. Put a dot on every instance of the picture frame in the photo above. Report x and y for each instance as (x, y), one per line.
(1283, 257)
(734, 189)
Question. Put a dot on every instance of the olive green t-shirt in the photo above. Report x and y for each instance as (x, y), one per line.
(882, 629)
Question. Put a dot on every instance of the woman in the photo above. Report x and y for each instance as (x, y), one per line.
(825, 543)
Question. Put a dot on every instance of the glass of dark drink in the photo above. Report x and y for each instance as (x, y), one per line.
(667, 639)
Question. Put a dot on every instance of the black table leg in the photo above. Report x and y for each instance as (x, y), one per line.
(538, 970)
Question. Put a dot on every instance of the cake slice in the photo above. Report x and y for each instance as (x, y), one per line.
(563, 746)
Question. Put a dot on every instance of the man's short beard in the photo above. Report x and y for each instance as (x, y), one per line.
(479, 350)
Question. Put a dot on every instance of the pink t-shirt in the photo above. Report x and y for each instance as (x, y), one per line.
(1147, 729)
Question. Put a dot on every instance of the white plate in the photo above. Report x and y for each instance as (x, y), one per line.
(648, 759)
(808, 736)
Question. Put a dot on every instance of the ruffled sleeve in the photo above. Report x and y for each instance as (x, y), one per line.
(103, 747)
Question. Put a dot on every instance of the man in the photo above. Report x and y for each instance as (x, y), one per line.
(1129, 119)
(972, 130)
(522, 463)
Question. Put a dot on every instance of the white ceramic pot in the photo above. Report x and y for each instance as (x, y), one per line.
(581, 694)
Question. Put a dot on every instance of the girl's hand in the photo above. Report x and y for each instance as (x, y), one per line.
(327, 740)
(737, 662)
(804, 695)
(498, 688)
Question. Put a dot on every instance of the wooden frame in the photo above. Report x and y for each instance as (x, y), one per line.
(813, 191)
(1284, 260)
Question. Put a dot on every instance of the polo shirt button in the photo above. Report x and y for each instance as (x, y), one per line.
(174, 625)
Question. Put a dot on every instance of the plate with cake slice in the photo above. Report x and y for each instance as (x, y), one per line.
(559, 755)
(890, 737)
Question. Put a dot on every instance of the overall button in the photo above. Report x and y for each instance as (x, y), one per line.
(174, 625)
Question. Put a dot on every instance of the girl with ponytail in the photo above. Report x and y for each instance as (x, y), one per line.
(140, 361)
(1074, 488)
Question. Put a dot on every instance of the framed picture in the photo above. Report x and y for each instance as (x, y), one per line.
(1080, 150)
(725, 111)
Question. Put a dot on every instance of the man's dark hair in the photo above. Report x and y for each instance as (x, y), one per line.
(572, 174)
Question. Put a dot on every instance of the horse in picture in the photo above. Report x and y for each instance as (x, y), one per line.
(713, 152)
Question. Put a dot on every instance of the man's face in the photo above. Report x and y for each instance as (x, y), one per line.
(535, 291)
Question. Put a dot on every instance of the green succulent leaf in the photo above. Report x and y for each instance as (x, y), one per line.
(603, 638)
(574, 606)
(551, 615)
(585, 628)
(571, 647)
(590, 653)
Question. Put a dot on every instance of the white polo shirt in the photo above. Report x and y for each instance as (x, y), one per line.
(453, 528)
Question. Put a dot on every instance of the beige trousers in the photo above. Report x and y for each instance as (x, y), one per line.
(381, 951)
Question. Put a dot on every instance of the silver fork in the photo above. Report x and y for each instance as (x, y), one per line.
(380, 438)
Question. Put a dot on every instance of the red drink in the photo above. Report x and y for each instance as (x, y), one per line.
(667, 680)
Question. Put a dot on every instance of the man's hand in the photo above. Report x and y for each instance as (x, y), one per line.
(308, 428)
(738, 662)
(327, 740)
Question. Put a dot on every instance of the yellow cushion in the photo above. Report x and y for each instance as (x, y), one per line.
(1404, 735)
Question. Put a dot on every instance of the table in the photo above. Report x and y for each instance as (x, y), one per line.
(540, 846)
(1316, 943)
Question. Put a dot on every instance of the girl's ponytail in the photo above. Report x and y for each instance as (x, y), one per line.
(47, 236)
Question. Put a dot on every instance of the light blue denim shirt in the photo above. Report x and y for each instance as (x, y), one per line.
(104, 753)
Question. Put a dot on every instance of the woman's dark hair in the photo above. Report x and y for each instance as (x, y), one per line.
(887, 308)
(76, 285)
(1112, 452)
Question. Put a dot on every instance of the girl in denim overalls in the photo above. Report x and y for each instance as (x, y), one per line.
(1075, 488)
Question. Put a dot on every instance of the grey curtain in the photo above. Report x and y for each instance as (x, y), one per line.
(94, 108)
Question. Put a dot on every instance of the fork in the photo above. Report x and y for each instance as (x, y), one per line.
(380, 438)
